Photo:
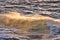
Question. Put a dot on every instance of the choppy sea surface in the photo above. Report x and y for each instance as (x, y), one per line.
(46, 8)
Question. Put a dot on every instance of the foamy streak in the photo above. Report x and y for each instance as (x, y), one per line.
(16, 15)
(57, 20)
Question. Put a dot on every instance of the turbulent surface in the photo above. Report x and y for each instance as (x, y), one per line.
(43, 7)
(49, 7)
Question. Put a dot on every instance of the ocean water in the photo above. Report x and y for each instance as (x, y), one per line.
(46, 8)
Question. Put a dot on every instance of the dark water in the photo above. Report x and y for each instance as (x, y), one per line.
(40, 7)
(50, 6)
